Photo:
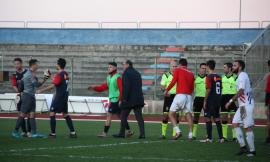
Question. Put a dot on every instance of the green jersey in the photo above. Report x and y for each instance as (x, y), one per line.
(229, 85)
(113, 87)
(200, 86)
(166, 80)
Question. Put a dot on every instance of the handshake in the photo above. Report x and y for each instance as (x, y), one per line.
(47, 74)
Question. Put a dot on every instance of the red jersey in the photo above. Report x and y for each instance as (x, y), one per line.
(267, 87)
(184, 79)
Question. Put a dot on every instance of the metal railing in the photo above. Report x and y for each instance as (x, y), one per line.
(134, 25)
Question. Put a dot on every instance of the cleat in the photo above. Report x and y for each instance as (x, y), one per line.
(234, 140)
(194, 138)
(207, 140)
(28, 134)
(222, 140)
(129, 133)
(102, 135)
(242, 151)
(37, 135)
(16, 134)
(52, 135)
(23, 134)
(251, 153)
(73, 135)
(177, 135)
(162, 137)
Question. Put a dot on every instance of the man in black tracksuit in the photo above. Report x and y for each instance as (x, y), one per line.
(132, 98)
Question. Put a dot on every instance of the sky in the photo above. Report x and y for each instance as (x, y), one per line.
(134, 10)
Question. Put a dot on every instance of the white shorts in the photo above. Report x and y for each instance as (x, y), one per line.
(182, 102)
(246, 122)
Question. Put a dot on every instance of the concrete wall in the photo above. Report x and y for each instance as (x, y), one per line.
(88, 64)
(128, 36)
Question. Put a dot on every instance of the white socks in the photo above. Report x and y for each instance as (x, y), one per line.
(177, 129)
(240, 136)
(250, 140)
(190, 135)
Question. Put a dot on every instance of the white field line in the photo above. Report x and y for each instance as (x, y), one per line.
(126, 158)
(132, 121)
(76, 147)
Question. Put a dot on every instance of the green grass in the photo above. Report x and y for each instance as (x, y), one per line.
(90, 148)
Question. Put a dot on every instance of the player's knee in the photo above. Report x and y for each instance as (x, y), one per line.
(52, 114)
(208, 121)
(217, 122)
(165, 119)
(22, 115)
(31, 115)
(235, 125)
(248, 129)
(195, 121)
(224, 122)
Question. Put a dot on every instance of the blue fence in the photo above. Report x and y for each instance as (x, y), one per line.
(128, 36)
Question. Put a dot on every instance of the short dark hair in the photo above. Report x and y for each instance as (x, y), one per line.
(202, 64)
(17, 59)
(32, 62)
(241, 63)
(183, 62)
(268, 62)
(211, 64)
(113, 64)
(61, 63)
(129, 63)
(229, 64)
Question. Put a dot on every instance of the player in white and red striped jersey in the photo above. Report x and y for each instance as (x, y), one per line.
(244, 114)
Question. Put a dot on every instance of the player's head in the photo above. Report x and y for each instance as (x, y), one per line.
(183, 62)
(238, 65)
(18, 63)
(210, 64)
(61, 63)
(202, 69)
(112, 66)
(127, 64)
(227, 67)
(173, 65)
(33, 64)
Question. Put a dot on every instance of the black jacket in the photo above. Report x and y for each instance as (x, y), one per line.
(132, 89)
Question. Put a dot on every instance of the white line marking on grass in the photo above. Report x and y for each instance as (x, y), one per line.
(125, 158)
(131, 121)
(76, 147)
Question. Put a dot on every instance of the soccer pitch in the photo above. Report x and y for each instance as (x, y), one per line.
(88, 147)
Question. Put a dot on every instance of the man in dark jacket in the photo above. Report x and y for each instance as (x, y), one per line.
(132, 98)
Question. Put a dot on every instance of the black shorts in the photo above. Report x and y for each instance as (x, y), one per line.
(212, 110)
(19, 104)
(114, 108)
(28, 103)
(224, 100)
(198, 104)
(59, 105)
(167, 103)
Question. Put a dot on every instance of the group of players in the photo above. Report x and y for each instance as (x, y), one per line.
(212, 92)
(25, 83)
(216, 95)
